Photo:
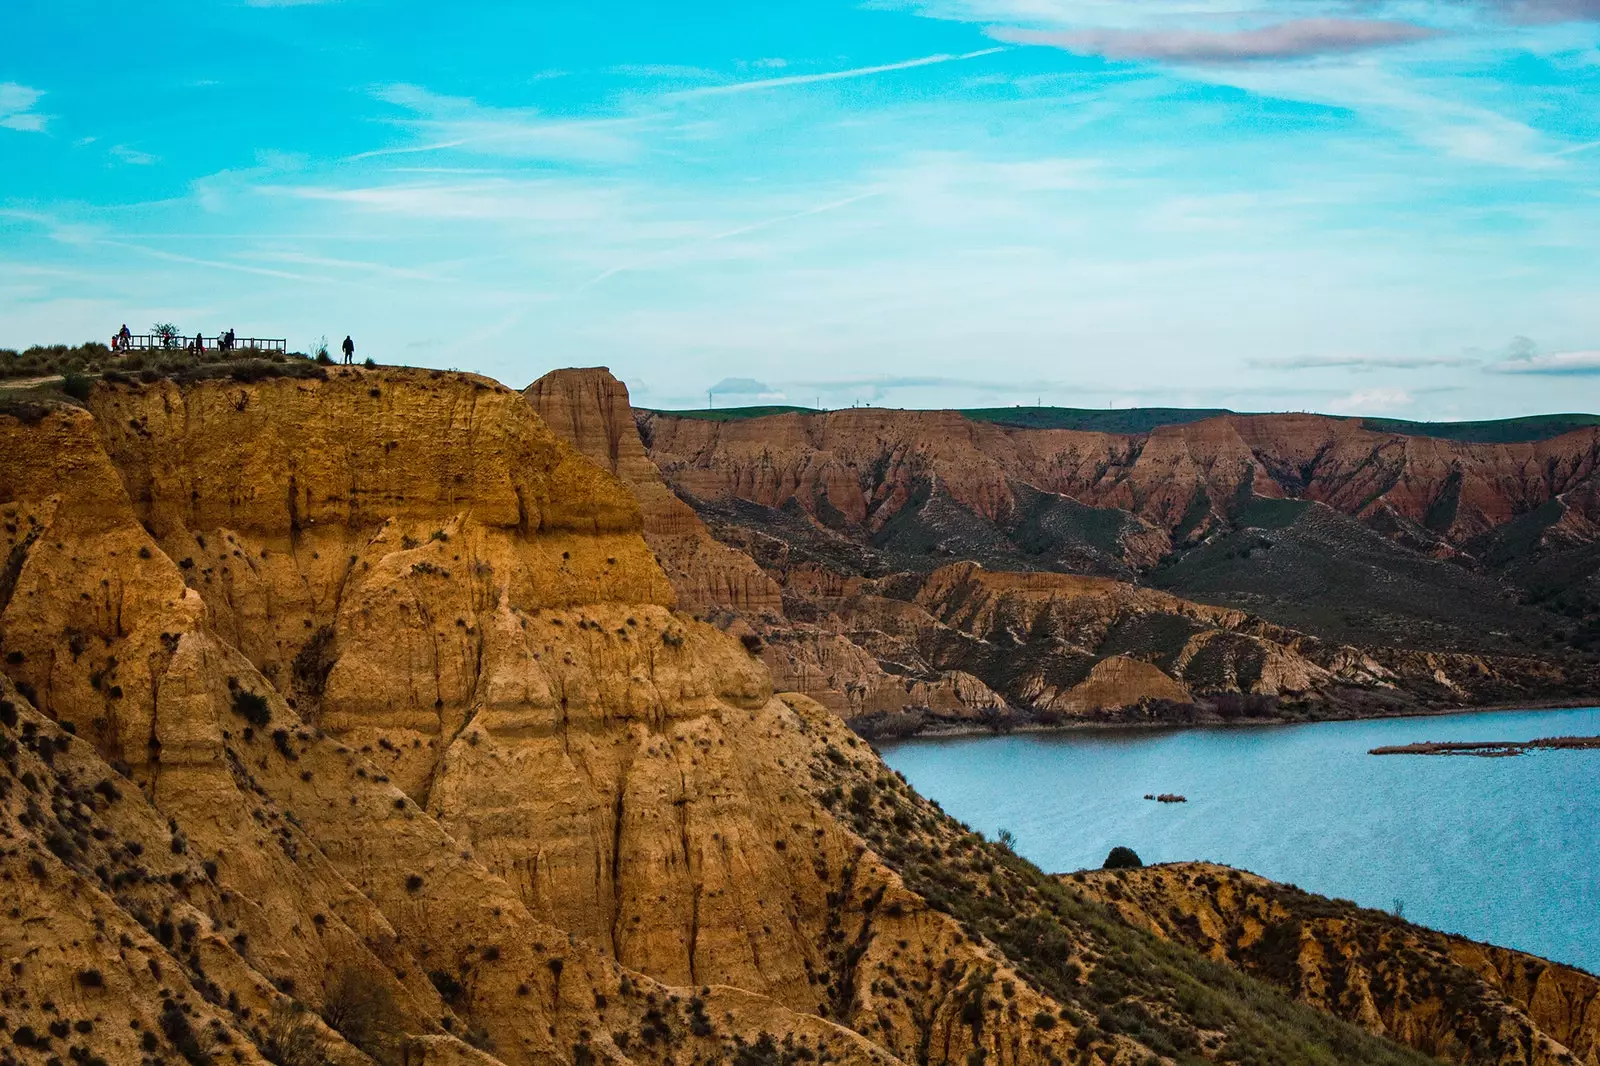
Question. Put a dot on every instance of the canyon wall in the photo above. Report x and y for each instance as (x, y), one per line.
(1356, 571)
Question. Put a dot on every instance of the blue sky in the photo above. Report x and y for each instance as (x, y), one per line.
(1357, 206)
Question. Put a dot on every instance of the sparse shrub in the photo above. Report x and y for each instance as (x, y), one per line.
(292, 1038)
(175, 1024)
(1122, 858)
(252, 707)
(363, 1012)
(445, 983)
(78, 386)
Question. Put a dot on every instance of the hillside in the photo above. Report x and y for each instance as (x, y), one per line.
(349, 719)
(1375, 571)
(1444, 994)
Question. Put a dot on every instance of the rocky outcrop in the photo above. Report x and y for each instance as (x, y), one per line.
(590, 410)
(1454, 998)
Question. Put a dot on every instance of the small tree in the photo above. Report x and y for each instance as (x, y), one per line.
(292, 1038)
(1122, 858)
(167, 332)
(320, 351)
(364, 1013)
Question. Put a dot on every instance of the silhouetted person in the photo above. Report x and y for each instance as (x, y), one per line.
(199, 344)
(349, 351)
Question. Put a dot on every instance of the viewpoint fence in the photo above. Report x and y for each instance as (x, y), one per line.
(145, 342)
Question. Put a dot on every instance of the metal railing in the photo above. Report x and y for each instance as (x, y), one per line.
(144, 342)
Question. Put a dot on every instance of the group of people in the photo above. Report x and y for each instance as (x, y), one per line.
(122, 341)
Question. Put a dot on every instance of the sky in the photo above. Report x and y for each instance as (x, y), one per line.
(1379, 207)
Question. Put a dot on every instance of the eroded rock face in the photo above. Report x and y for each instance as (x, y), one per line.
(513, 789)
(590, 410)
(864, 464)
(1452, 997)
(1023, 559)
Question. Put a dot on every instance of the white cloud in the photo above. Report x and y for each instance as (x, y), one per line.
(1295, 39)
(1365, 400)
(133, 156)
(17, 108)
(523, 133)
(1553, 364)
(832, 75)
(1360, 362)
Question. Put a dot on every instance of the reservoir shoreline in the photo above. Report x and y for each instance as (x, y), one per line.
(955, 731)
(1497, 850)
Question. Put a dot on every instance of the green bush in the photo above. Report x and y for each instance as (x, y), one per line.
(1122, 858)
(78, 386)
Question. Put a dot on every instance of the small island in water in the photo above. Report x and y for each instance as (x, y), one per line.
(1489, 749)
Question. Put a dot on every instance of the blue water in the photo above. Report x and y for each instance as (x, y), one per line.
(1504, 850)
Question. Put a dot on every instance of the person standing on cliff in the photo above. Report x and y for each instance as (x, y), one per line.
(349, 350)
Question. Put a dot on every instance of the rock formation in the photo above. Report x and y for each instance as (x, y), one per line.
(590, 410)
(1357, 571)
(1451, 997)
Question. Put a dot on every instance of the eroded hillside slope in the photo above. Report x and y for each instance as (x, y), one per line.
(1444, 994)
(1375, 571)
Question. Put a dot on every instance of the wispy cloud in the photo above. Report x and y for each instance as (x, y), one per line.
(133, 156)
(1298, 39)
(499, 200)
(749, 389)
(761, 84)
(460, 122)
(1360, 362)
(1365, 400)
(1552, 364)
(1549, 10)
(17, 108)
(658, 258)
(1436, 113)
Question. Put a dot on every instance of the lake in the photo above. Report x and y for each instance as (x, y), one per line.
(1505, 850)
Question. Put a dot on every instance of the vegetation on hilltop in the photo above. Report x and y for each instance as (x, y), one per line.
(49, 360)
(1140, 420)
(1495, 431)
(59, 373)
(736, 414)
